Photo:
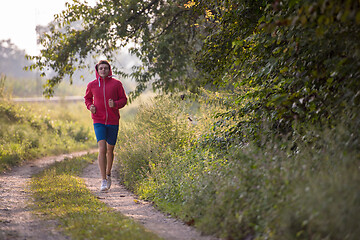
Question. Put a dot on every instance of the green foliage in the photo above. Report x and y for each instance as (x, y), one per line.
(283, 61)
(290, 62)
(58, 193)
(159, 129)
(286, 73)
(239, 191)
(162, 48)
(323, 206)
(28, 131)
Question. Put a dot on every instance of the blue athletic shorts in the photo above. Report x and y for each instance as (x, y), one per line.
(106, 132)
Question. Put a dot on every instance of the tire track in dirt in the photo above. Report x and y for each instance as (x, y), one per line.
(16, 219)
(143, 212)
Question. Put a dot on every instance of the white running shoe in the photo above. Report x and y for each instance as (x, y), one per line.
(103, 185)
(108, 181)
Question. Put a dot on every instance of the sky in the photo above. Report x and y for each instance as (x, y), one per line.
(18, 19)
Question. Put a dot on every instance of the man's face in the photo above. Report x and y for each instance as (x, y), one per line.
(103, 70)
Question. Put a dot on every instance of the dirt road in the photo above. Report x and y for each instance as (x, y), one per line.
(127, 203)
(17, 222)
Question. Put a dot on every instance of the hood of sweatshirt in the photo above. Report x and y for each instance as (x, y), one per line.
(99, 78)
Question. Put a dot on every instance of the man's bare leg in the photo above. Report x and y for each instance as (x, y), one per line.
(109, 158)
(102, 158)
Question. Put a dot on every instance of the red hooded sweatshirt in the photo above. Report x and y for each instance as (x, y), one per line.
(98, 92)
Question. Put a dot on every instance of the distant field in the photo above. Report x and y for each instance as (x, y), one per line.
(53, 99)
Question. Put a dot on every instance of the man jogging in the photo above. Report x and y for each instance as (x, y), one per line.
(104, 97)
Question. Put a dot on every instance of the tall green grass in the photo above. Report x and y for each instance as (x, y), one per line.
(33, 130)
(160, 129)
(239, 190)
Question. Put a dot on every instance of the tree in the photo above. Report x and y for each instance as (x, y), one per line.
(289, 61)
(283, 61)
(161, 35)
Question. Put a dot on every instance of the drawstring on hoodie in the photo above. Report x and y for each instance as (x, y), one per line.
(99, 79)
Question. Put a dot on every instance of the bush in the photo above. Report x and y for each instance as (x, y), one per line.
(305, 188)
(159, 130)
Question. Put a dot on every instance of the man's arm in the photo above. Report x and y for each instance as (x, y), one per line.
(121, 102)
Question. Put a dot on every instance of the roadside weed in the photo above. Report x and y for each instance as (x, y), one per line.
(29, 131)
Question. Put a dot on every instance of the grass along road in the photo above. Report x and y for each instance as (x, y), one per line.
(16, 218)
(60, 194)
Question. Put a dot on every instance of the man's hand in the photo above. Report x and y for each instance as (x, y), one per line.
(92, 109)
(111, 103)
